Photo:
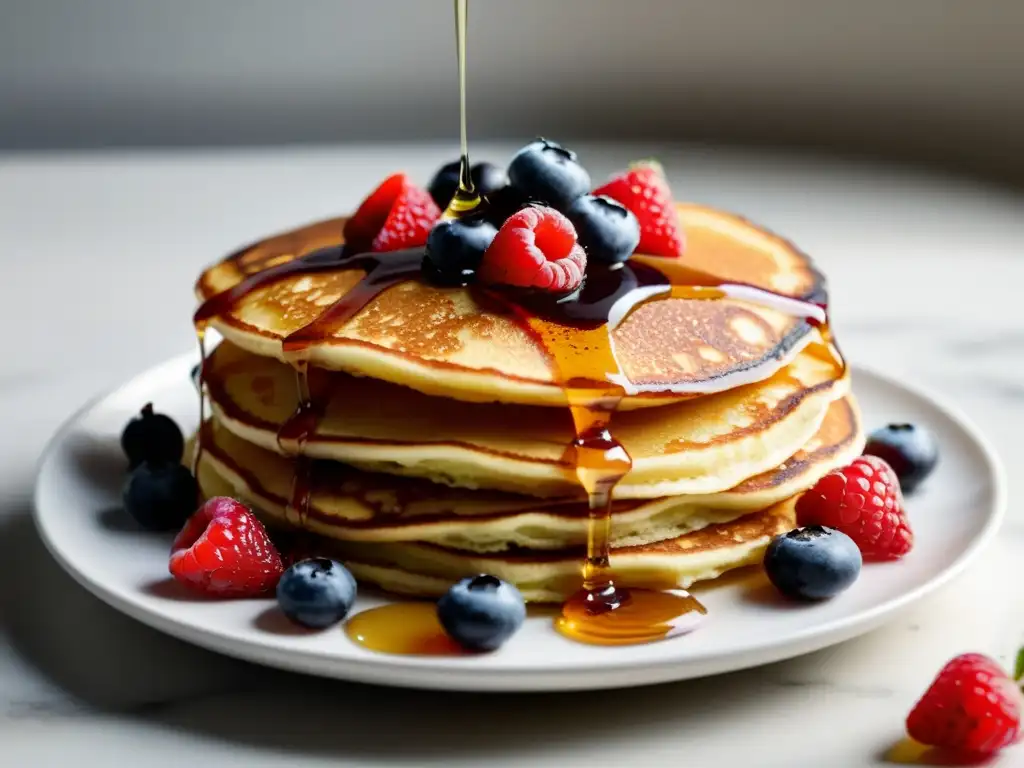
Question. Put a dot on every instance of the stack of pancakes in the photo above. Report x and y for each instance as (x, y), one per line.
(441, 446)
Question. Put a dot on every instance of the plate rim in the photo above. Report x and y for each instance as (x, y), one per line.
(432, 673)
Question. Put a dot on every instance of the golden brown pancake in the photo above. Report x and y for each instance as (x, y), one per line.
(547, 576)
(702, 445)
(447, 342)
(349, 504)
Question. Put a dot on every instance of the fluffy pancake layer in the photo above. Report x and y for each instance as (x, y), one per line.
(349, 504)
(703, 445)
(428, 570)
(447, 342)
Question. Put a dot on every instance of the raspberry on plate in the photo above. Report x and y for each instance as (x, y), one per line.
(396, 215)
(863, 500)
(223, 550)
(535, 248)
(644, 190)
(972, 707)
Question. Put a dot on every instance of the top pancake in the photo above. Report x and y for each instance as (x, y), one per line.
(442, 341)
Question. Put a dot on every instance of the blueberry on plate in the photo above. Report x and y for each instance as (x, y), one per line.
(316, 593)
(481, 612)
(911, 451)
(606, 229)
(456, 246)
(812, 563)
(548, 173)
(152, 436)
(161, 495)
(487, 178)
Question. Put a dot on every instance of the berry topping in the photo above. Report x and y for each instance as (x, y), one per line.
(607, 230)
(535, 248)
(972, 708)
(455, 248)
(316, 593)
(548, 173)
(160, 495)
(396, 215)
(152, 436)
(911, 451)
(862, 500)
(482, 612)
(644, 190)
(812, 563)
(503, 203)
(223, 550)
(442, 187)
(487, 179)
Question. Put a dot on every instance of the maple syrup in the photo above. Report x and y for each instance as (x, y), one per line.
(403, 628)
(380, 272)
(197, 451)
(465, 200)
(575, 332)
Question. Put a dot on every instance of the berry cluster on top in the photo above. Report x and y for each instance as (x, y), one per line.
(539, 223)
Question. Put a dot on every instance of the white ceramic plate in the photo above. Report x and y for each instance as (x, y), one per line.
(77, 511)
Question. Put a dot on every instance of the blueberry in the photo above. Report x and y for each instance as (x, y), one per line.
(910, 450)
(487, 178)
(548, 173)
(316, 593)
(161, 496)
(812, 563)
(481, 612)
(456, 246)
(152, 437)
(606, 229)
(442, 187)
(503, 203)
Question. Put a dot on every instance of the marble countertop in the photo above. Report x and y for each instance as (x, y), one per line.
(99, 253)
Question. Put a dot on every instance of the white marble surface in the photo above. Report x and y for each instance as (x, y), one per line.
(99, 253)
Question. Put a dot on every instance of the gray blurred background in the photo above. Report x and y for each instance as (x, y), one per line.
(933, 81)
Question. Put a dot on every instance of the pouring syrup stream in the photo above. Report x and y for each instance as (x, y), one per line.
(466, 198)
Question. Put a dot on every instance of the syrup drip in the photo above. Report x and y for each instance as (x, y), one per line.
(197, 453)
(381, 271)
(466, 198)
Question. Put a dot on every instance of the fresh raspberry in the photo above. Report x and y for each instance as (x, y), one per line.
(224, 550)
(535, 248)
(863, 500)
(972, 707)
(644, 190)
(396, 215)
